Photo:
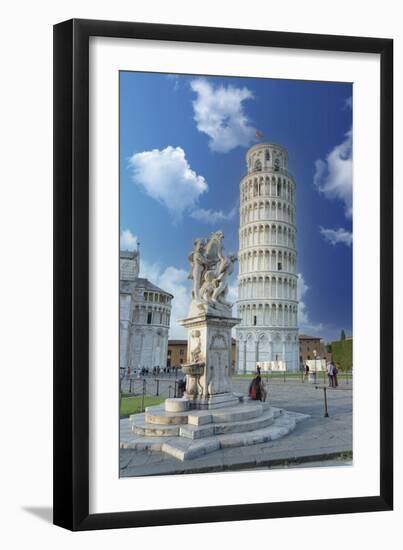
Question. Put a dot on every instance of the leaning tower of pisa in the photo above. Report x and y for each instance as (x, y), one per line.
(267, 281)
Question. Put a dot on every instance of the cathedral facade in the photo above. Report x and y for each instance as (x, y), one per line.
(145, 312)
(267, 280)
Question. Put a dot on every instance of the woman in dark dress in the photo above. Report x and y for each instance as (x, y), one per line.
(256, 390)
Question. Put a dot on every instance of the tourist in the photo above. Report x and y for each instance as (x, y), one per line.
(181, 386)
(329, 369)
(335, 371)
(256, 389)
(306, 371)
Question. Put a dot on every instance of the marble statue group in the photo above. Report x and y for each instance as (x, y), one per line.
(209, 272)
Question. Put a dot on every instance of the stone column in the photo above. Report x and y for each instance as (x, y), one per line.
(244, 357)
(125, 343)
(140, 350)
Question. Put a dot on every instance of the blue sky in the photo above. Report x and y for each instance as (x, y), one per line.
(183, 140)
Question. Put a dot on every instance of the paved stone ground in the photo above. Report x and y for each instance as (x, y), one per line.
(315, 441)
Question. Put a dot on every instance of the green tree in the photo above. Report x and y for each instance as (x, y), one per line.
(342, 335)
(342, 353)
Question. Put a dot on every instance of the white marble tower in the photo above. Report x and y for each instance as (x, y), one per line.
(267, 281)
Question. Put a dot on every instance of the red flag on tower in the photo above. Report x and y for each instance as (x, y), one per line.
(259, 134)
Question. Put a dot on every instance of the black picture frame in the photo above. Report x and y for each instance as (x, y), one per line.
(71, 273)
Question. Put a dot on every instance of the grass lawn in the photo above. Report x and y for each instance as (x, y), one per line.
(132, 405)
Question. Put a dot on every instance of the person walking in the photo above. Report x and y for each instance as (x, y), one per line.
(329, 370)
(335, 371)
(306, 371)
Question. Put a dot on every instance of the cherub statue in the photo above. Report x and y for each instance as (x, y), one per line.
(196, 351)
(208, 287)
(198, 266)
(225, 269)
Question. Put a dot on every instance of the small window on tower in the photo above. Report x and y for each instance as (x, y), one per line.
(258, 165)
(149, 318)
(279, 266)
(254, 319)
(267, 154)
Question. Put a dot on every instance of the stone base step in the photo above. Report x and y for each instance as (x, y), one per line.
(184, 448)
(158, 415)
(197, 424)
(238, 426)
(141, 427)
(243, 411)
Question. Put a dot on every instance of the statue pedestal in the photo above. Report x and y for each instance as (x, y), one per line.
(208, 371)
(210, 416)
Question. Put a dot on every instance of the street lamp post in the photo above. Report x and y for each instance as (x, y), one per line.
(315, 354)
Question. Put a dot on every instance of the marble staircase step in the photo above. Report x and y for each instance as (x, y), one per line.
(187, 449)
(158, 415)
(183, 448)
(216, 428)
(141, 427)
(243, 411)
(254, 409)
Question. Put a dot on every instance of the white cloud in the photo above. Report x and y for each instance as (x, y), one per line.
(167, 177)
(340, 235)
(218, 112)
(302, 287)
(213, 216)
(128, 241)
(174, 281)
(333, 176)
(304, 322)
(348, 103)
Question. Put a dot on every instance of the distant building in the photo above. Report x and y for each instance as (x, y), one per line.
(145, 312)
(177, 353)
(309, 344)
